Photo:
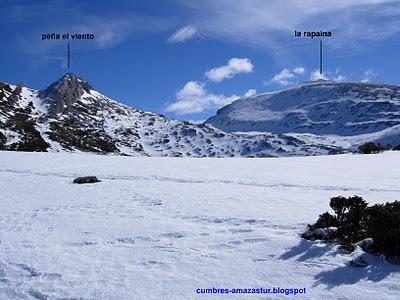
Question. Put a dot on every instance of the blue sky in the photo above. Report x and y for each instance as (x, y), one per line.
(185, 58)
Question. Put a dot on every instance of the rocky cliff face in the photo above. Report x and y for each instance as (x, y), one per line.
(70, 115)
(64, 93)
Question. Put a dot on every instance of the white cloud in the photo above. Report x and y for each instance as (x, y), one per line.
(339, 78)
(316, 75)
(234, 66)
(108, 30)
(288, 77)
(106, 33)
(268, 23)
(285, 76)
(183, 34)
(335, 76)
(191, 89)
(194, 98)
(250, 92)
(368, 75)
(299, 70)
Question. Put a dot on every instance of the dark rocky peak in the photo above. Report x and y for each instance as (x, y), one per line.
(5, 87)
(63, 93)
(10, 94)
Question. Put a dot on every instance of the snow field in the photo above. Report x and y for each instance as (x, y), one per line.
(159, 228)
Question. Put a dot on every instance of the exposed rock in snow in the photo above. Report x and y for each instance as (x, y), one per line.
(71, 116)
(319, 233)
(365, 244)
(86, 179)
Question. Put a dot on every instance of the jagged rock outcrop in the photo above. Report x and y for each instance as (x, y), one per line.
(64, 93)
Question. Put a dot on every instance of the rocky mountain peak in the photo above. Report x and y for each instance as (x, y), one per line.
(64, 92)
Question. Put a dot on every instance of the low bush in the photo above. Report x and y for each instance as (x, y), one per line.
(369, 148)
(354, 221)
(383, 226)
(397, 148)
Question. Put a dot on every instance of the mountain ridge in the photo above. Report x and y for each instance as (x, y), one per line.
(322, 107)
(71, 116)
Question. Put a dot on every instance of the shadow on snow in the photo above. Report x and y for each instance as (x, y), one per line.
(317, 252)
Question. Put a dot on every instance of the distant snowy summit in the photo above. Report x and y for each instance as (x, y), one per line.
(71, 116)
(316, 107)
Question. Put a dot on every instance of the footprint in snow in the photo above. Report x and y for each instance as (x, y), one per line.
(176, 235)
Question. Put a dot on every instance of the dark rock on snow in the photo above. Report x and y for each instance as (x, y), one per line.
(86, 179)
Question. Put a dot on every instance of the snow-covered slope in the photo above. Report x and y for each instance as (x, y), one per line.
(319, 107)
(160, 228)
(314, 119)
(71, 116)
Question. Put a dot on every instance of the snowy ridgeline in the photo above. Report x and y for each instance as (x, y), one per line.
(313, 119)
(320, 107)
(159, 228)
